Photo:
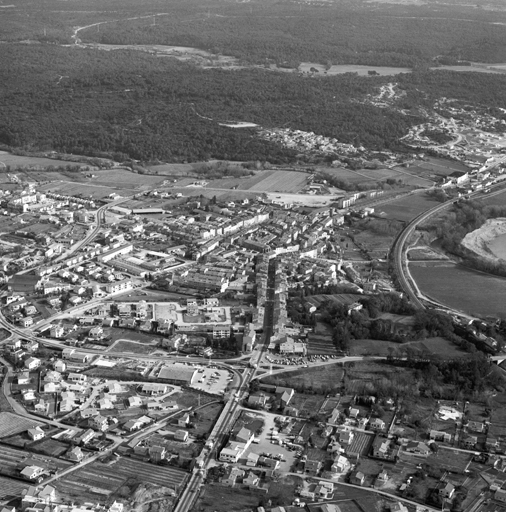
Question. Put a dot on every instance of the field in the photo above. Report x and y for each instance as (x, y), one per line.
(435, 346)
(86, 190)
(324, 378)
(219, 498)
(11, 489)
(320, 345)
(33, 161)
(308, 405)
(126, 179)
(406, 208)
(338, 298)
(461, 288)
(11, 457)
(11, 424)
(51, 447)
(99, 481)
(281, 181)
(132, 347)
(205, 419)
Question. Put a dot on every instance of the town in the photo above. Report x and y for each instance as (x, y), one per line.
(177, 343)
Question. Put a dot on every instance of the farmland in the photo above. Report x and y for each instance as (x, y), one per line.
(10, 489)
(11, 424)
(281, 181)
(461, 288)
(325, 378)
(98, 481)
(406, 208)
(133, 347)
(11, 457)
(126, 179)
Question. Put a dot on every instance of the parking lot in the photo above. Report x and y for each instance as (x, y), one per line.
(212, 380)
(268, 443)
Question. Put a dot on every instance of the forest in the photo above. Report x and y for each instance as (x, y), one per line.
(129, 104)
(286, 33)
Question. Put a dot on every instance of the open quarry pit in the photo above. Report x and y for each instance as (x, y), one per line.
(489, 241)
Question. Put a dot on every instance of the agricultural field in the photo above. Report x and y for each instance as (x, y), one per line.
(10, 458)
(98, 481)
(406, 208)
(11, 489)
(464, 289)
(338, 298)
(308, 405)
(318, 344)
(172, 169)
(324, 379)
(205, 419)
(11, 424)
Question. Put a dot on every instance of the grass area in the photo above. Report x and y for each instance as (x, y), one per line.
(435, 346)
(190, 398)
(135, 348)
(217, 497)
(131, 335)
(4, 334)
(11, 424)
(323, 379)
(205, 419)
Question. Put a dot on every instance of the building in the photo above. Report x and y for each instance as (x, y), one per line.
(447, 491)
(36, 433)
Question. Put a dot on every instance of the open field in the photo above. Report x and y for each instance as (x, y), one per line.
(11, 424)
(406, 208)
(320, 344)
(217, 497)
(33, 161)
(338, 298)
(461, 288)
(86, 190)
(52, 447)
(205, 419)
(172, 169)
(133, 347)
(308, 405)
(281, 181)
(98, 481)
(326, 378)
(126, 179)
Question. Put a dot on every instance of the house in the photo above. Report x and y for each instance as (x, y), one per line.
(105, 403)
(134, 401)
(157, 453)
(346, 437)
(469, 442)
(233, 476)
(382, 478)
(447, 491)
(23, 378)
(500, 495)
(36, 433)
(99, 422)
(324, 490)
(438, 435)
(257, 400)
(77, 377)
(154, 389)
(41, 406)
(66, 405)
(398, 507)
(476, 426)
(340, 465)
(56, 331)
(312, 467)
(417, 448)
(32, 472)
(181, 435)
(59, 366)
(29, 396)
(353, 412)
(85, 437)
(357, 478)
(184, 420)
(75, 454)
(252, 459)
(377, 424)
(251, 480)
(383, 448)
(51, 387)
(31, 346)
(52, 376)
(32, 363)
(244, 436)
(27, 321)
